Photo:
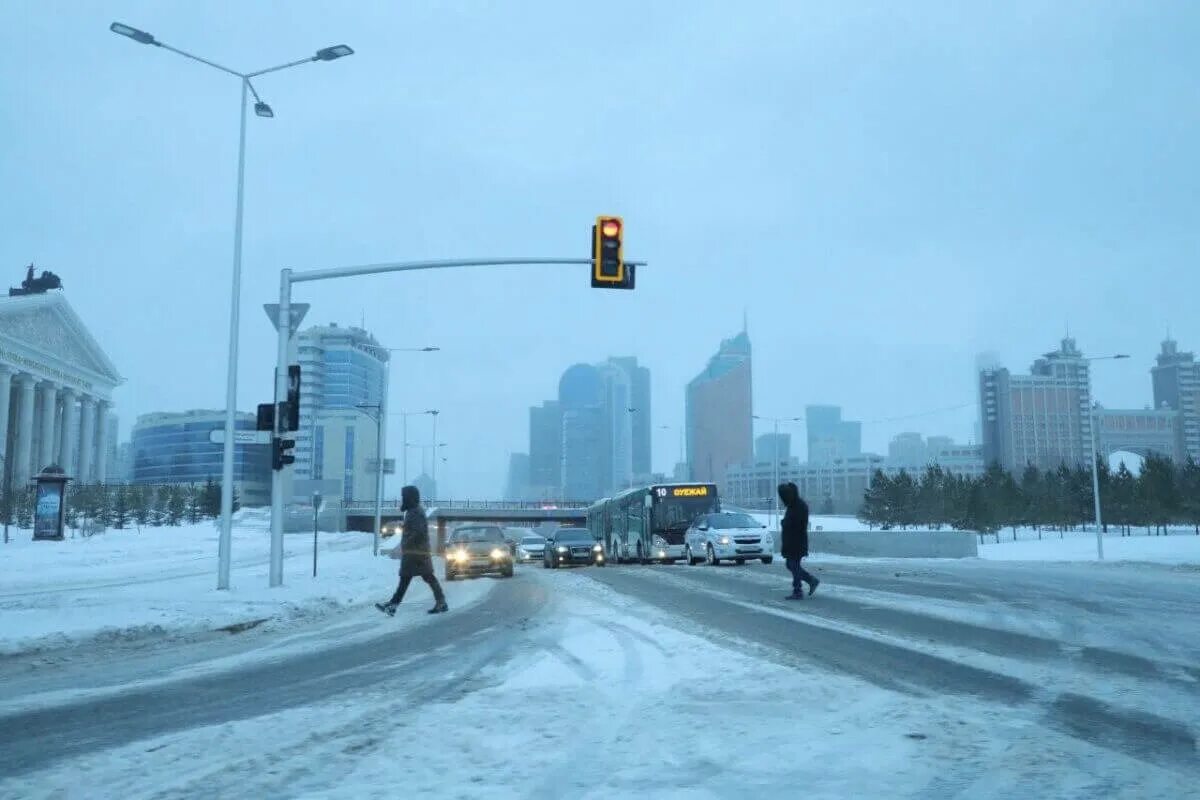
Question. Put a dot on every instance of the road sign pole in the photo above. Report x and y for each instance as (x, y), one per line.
(316, 501)
(277, 475)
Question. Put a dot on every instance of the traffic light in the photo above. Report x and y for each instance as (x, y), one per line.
(291, 421)
(281, 453)
(266, 417)
(609, 270)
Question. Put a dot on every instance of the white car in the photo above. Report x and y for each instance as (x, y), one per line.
(728, 536)
(531, 548)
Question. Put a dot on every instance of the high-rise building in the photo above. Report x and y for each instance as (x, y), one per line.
(176, 448)
(908, 450)
(937, 444)
(1176, 379)
(545, 450)
(642, 422)
(341, 369)
(771, 447)
(618, 412)
(517, 485)
(585, 432)
(720, 423)
(1043, 418)
(830, 437)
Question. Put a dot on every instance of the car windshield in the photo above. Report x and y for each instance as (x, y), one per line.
(724, 521)
(573, 535)
(533, 540)
(477, 535)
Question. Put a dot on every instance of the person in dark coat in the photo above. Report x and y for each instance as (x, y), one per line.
(416, 557)
(794, 528)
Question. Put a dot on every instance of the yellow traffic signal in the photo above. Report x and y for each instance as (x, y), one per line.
(608, 257)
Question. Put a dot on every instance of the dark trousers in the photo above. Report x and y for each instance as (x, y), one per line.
(800, 575)
(429, 577)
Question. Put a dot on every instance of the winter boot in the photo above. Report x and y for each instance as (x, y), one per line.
(812, 587)
(387, 608)
(440, 608)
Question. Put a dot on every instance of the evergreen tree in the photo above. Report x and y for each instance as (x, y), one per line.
(120, 507)
(210, 502)
(1031, 494)
(194, 504)
(1104, 477)
(874, 508)
(162, 499)
(1189, 494)
(176, 504)
(1160, 491)
(1122, 498)
(140, 504)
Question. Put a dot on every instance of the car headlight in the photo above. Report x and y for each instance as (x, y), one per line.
(597, 549)
(659, 541)
(562, 549)
(459, 555)
(724, 540)
(497, 554)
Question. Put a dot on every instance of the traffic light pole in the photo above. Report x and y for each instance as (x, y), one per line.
(287, 277)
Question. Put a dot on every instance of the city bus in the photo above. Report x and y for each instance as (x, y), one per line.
(647, 524)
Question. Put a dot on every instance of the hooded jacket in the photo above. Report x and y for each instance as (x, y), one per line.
(794, 527)
(415, 555)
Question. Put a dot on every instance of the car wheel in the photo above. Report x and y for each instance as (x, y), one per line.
(768, 560)
(710, 557)
(687, 556)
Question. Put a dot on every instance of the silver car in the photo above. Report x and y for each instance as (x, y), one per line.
(727, 536)
(531, 548)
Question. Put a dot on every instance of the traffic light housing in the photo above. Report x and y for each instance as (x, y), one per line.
(266, 417)
(609, 270)
(291, 420)
(281, 453)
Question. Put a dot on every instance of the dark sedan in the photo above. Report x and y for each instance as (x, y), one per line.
(478, 550)
(572, 546)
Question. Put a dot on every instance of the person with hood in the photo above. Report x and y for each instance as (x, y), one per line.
(794, 529)
(416, 558)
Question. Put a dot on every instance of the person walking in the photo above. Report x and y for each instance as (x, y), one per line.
(794, 529)
(416, 558)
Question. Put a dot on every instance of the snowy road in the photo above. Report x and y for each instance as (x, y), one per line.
(968, 679)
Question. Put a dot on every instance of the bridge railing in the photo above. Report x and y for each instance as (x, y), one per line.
(392, 506)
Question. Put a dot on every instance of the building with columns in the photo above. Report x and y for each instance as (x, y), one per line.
(56, 388)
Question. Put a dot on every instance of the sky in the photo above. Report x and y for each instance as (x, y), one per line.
(885, 191)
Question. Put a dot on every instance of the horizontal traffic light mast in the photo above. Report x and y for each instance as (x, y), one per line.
(615, 276)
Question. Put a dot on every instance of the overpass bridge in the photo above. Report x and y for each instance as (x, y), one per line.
(444, 514)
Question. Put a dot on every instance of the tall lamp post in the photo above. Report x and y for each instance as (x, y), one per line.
(1095, 470)
(775, 459)
(404, 415)
(379, 417)
(262, 110)
(631, 411)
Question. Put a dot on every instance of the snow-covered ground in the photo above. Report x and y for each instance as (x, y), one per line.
(1181, 546)
(160, 582)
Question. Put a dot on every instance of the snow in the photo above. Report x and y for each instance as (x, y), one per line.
(1178, 548)
(160, 583)
(610, 700)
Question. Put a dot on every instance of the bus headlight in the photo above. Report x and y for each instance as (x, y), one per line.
(659, 541)
(597, 549)
(562, 549)
(724, 540)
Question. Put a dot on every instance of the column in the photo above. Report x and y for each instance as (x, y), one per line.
(23, 457)
(5, 392)
(87, 438)
(101, 469)
(49, 407)
(70, 429)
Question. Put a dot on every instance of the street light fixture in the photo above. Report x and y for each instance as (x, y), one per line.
(263, 110)
(1095, 470)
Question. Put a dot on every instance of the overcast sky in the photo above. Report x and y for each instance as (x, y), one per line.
(887, 189)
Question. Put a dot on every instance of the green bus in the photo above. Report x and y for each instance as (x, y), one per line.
(647, 524)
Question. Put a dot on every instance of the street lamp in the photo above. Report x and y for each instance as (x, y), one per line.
(1095, 471)
(775, 461)
(263, 110)
(379, 415)
(404, 415)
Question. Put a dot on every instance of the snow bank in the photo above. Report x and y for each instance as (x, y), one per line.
(1178, 548)
(160, 582)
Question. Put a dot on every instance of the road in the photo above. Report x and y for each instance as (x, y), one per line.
(1098, 666)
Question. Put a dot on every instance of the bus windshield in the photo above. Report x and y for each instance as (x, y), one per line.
(676, 507)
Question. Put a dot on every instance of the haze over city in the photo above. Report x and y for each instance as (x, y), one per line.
(781, 164)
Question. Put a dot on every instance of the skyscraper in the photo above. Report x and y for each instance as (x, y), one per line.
(618, 414)
(639, 378)
(831, 438)
(720, 424)
(770, 446)
(340, 368)
(1043, 418)
(545, 450)
(581, 396)
(1176, 379)
(517, 486)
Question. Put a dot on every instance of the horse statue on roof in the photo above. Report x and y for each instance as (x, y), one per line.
(36, 285)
